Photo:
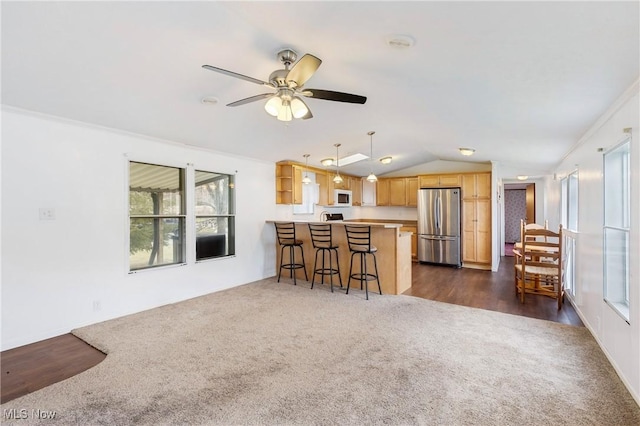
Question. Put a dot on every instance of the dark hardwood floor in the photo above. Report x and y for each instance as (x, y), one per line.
(32, 367)
(486, 290)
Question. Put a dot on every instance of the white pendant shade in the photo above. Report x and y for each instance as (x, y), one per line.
(372, 177)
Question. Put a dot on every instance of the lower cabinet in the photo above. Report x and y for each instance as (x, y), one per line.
(414, 240)
(476, 233)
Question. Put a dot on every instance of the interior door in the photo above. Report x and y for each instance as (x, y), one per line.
(531, 202)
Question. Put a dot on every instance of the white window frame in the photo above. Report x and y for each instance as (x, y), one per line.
(182, 216)
(616, 291)
(569, 204)
(230, 246)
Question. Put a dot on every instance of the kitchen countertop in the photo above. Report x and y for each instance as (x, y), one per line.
(343, 222)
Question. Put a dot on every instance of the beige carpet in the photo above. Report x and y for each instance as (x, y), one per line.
(271, 353)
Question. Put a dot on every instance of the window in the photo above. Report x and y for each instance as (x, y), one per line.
(617, 211)
(569, 220)
(569, 204)
(215, 215)
(156, 215)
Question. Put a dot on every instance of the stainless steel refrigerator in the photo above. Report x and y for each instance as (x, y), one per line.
(439, 226)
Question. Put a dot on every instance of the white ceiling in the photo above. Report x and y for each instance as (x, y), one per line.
(520, 82)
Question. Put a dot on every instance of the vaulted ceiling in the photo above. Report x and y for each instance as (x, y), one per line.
(520, 82)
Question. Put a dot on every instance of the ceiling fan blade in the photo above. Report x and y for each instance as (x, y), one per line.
(236, 75)
(303, 70)
(250, 99)
(334, 96)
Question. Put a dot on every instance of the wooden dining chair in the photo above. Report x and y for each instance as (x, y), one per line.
(539, 266)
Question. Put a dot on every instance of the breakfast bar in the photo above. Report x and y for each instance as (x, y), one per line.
(393, 256)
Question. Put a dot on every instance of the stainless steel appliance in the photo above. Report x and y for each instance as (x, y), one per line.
(342, 198)
(439, 226)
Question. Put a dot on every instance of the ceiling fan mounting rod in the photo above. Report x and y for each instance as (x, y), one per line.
(287, 57)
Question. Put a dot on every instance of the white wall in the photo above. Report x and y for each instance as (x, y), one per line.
(620, 341)
(55, 272)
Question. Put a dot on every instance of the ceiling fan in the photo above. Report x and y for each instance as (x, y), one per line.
(286, 103)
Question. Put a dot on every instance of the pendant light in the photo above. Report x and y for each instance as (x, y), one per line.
(306, 179)
(371, 177)
(338, 178)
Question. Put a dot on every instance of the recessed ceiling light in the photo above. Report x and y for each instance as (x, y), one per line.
(466, 151)
(523, 177)
(209, 100)
(400, 41)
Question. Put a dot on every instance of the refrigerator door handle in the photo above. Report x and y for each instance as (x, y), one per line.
(438, 213)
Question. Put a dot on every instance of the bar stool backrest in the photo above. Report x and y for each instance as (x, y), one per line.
(286, 233)
(359, 237)
(320, 235)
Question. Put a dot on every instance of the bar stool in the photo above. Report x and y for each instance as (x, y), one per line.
(323, 243)
(287, 238)
(359, 239)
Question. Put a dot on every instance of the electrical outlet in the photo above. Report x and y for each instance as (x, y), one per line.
(47, 213)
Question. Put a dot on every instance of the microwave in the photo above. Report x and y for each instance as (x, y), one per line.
(342, 198)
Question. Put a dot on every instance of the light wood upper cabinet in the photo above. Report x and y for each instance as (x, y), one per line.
(356, 190)
(412, 192)
(397, 192)
(288, 184)
(382, 192)
(323, 189)
(439, 181)
(401, 192)
(476, 185)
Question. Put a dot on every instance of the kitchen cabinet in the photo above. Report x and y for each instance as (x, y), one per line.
(412, 192)
(397, 192)
(288, 184)
(476, 185)
(356, 191)
(323, 189)
(345, 184)
(440, 181)
(382, 192)
(476, 220)
(401, 192)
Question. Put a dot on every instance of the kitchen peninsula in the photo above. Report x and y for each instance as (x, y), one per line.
(393, 255)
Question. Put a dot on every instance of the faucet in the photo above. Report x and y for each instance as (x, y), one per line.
(325, 214)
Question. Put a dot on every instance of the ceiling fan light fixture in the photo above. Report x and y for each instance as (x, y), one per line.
(298, 108)
(273, 106)
(285, 113)
(386, 160)
(466, 151)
